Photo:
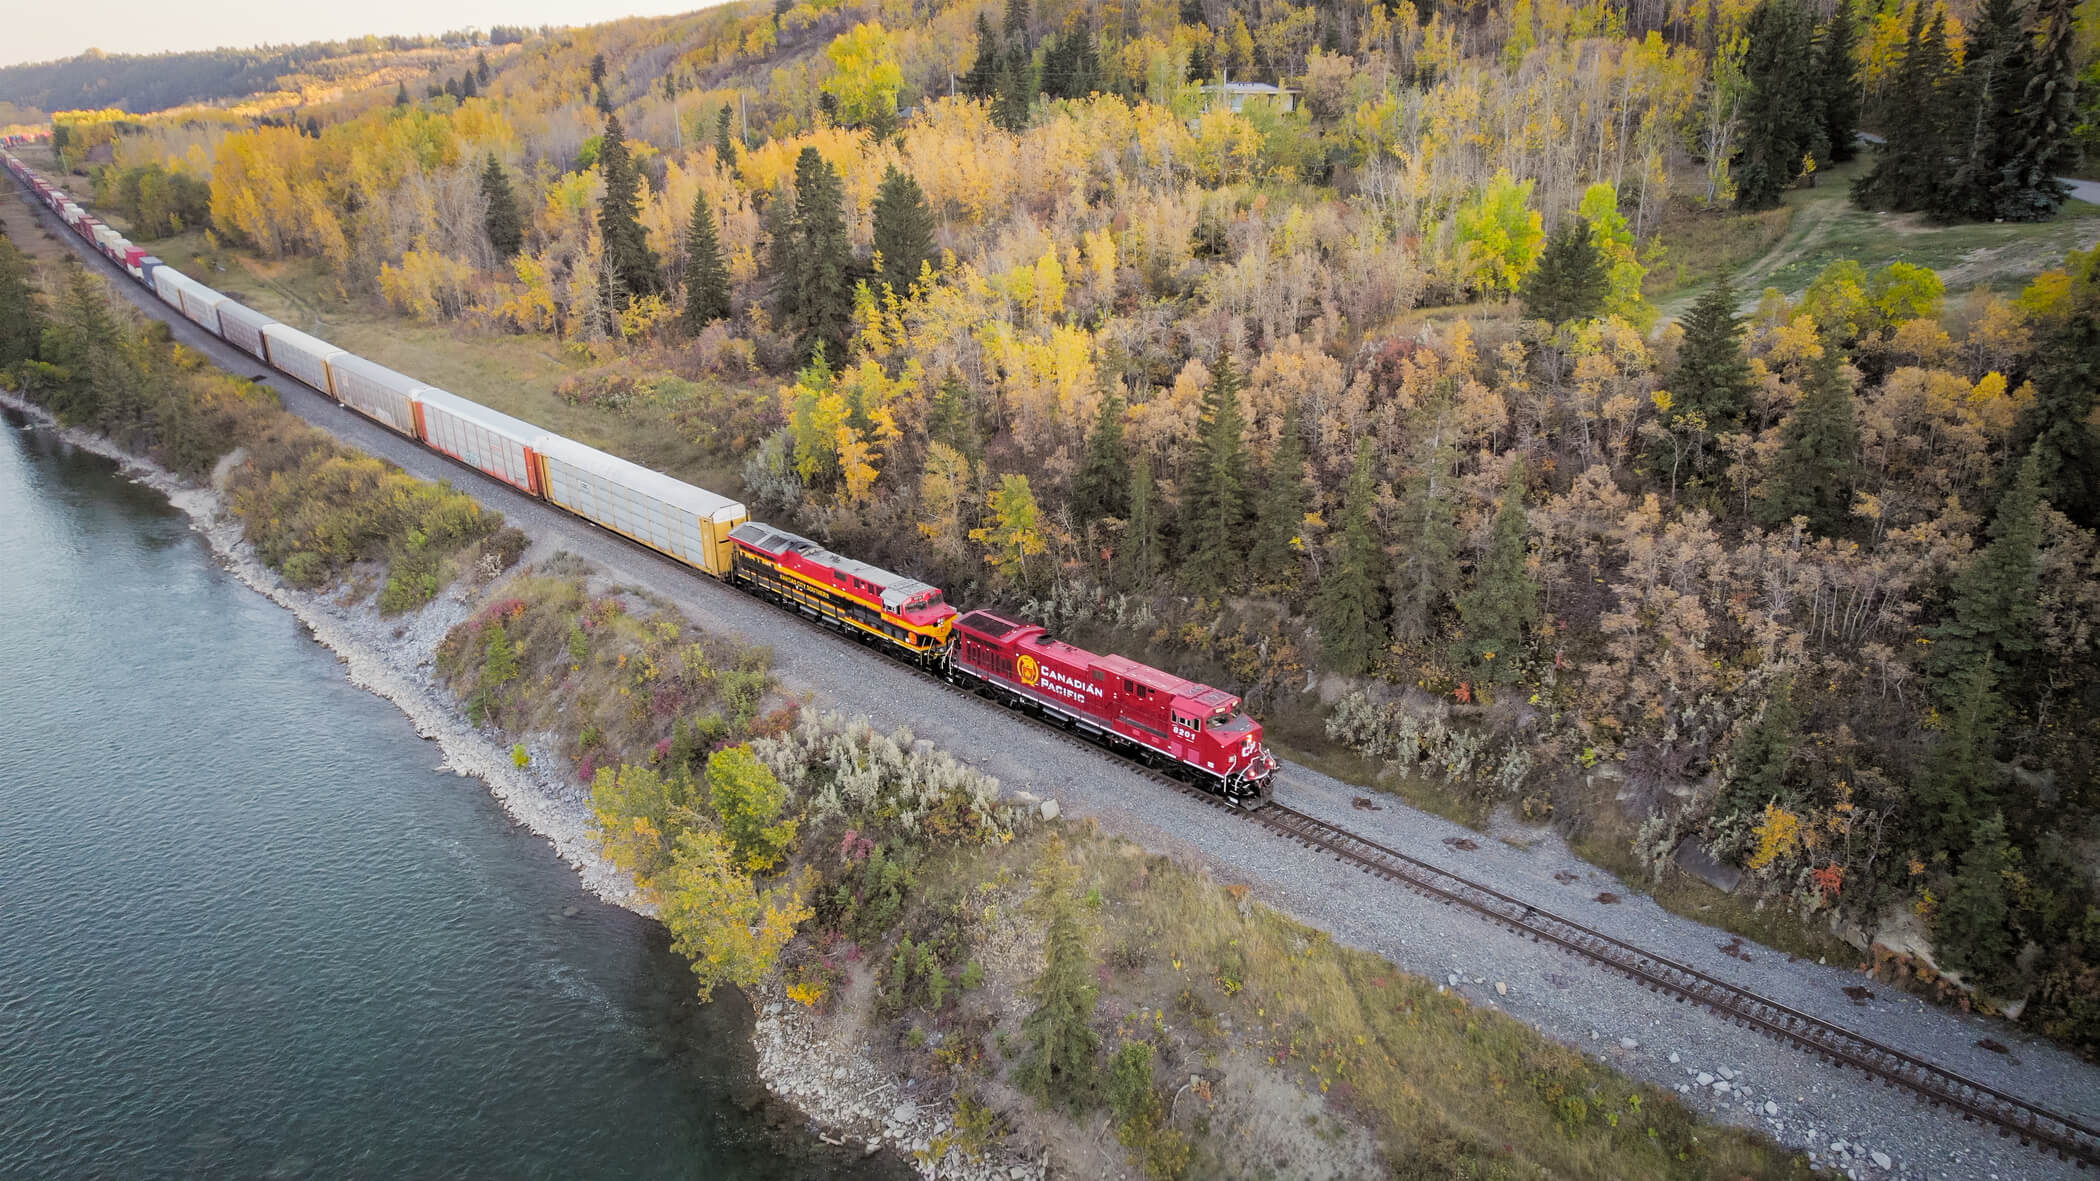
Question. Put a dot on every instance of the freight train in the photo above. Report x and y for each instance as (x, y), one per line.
(1191, 730)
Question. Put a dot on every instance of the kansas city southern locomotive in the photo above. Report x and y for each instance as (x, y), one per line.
(1190, 730)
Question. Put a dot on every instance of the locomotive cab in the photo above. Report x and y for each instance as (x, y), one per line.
(1226, 743)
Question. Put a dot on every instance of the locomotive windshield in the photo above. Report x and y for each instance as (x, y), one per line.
(1236, 724)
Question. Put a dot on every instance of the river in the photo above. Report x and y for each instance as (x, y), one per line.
(247, 928)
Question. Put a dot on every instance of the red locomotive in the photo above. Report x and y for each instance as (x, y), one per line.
(1157, 716)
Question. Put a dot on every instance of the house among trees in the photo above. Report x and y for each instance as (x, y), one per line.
(1238, 94)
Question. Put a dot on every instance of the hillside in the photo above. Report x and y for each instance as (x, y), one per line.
(1357, 395)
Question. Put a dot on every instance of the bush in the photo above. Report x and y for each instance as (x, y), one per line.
(305, 569)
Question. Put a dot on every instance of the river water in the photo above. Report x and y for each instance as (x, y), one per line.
(247, 929)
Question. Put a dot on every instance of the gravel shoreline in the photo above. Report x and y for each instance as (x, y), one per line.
(822, 1068)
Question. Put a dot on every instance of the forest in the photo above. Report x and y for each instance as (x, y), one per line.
(1375, 359)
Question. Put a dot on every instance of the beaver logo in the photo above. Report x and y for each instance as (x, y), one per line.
(1030, 674)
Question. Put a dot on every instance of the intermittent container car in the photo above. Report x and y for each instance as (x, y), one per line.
(242, 327)
(201, 304)
(688, 523)
(479, 437)
(304, 357)
(375, 391)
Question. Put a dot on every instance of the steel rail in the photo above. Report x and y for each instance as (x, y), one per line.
(2034, 1124)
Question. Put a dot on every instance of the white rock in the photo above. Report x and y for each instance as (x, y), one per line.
(1452, 979)
(1722, 1088)
(1705, 1079)
(1839, 1145)
(903, 1114)
(1501, 988)
(1684, 1088)
(1627, 1043)
(1673, 1059)
(1727, 1074)
(1050, 809)
(1881, 1161)
(1771, 1108)
(1594, 1035)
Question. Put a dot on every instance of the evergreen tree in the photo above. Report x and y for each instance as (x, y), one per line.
(1837, 84)
(1779, 115)
(603, 102)
(505, 228)
(983, 78)
(725, 148)
(1504, 599)
(1984, 104)
(1427, 540)
(2055, 428)
(1140, 556)
(1279, 514)
(629, 262)
(451, 87)
(401, 95)
(1102, 488)
(1713, 373)
(1818, 453)
(1761, 761)
(706, 275)
(954, 420)
(597, 68)
(1217, 504)
(21, 320)
(1969, 930)
(2045, 122)
(821, 270)
(1014, 94)
(481, 68)
(1993, 615)
(1346, 607)
(467, 88)
(1015, 27)
(1200, 67)
(1909, 169)
(903, 230)
(1569, 282)
(1058, 1065)
(1959, 780)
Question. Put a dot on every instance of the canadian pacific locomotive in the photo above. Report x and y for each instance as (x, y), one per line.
(1191, 730)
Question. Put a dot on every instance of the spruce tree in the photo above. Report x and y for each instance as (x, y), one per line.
(1959, 780)
(1346, 606)
(706, 275)
(1279, 513)
(629, 262)
(1993, 614)
(822, 259)
(1140, 556)
(481, 68)
(1779, 115)
(505, 228)
(1217, 504)
(603, 102)
(1984, 104)
(1504, 599)
(725, 148)
(2045, 122)
(1818, 453)
(2055, 428)
(1014, 95)
(1837, 84)
(1969, 930)
(1426, 540)
(1059, 1062)
(1102, 488)
(1761, 761)
(401, 95)
(1712, 378)
(1910, 168)
(903, 230)
(954, 420)
(597, 68)
(983, 78)
(467, 87)
(1569, 282)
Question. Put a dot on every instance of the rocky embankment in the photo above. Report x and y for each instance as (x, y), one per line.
(822, 1067)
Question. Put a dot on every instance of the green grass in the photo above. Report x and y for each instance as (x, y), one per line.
(1821, 225)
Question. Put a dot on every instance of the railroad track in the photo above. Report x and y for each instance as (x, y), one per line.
(2035, 1125)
